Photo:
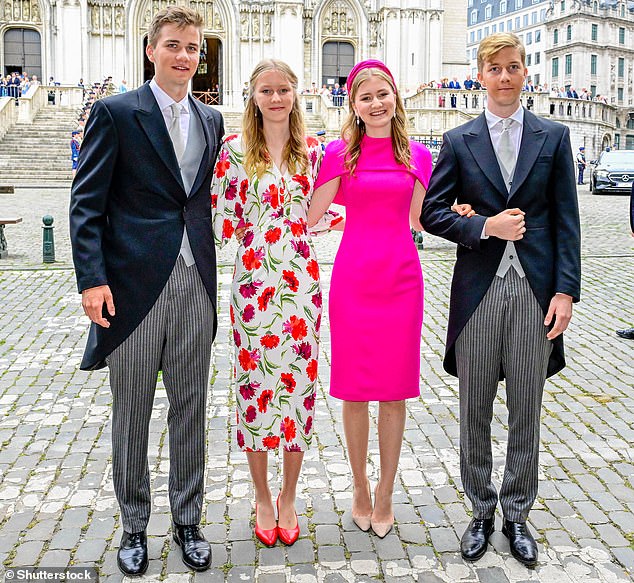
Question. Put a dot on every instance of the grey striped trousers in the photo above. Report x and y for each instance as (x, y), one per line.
(174, 337)
(506, 330)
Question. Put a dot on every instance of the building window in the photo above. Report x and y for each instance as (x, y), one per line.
(556, 36)
(472, 37)
(593, 91)
(595, 32)
(509, 25)
(621, 36)
(474, 53)
(563, 5)
(501, 27)
(595, 7)
(533, 17)
(503, 7)
(479, 34)
(486, 31)
(542, 15)
(569, 32)
(568, 70)
(556, 67)
(537, 79)
(538, 58)
(474, 16)
(525, 20)
(494, 28)
(593, 64)
(619, 94)
(518, 4)
(621, 68)
(538, 36)
(529, 38)
(529, 60)
(517, 23)
(487, 12)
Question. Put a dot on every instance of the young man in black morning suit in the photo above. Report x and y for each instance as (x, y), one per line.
(516, 277)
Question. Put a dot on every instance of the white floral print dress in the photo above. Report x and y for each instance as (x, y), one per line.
(276, 297)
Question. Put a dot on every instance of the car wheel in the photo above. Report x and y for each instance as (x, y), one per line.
(590, 185)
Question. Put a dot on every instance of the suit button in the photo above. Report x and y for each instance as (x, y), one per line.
(510, 257)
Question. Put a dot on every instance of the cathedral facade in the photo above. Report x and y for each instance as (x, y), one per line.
(71, 40)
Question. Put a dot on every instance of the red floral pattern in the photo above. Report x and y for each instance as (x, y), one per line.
(275, 300)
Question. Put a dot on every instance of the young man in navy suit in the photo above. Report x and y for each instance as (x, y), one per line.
(516, 277)
(140, 222)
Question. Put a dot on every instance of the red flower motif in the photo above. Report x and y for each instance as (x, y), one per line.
(248, 313)
(303, 350)
(311, 370)
(240, 437)
(308, 426)
(310, 141)
(270, 341)
(236, 338)
(248, 290)
(249, 360)
(233, 137)
(272, 196)
(303, 182)
(273, 235)
(287, 427)
(230, 192)
(265, 298)
(232, 315)
(296, 327)
(301, 248)
(227, 229)
(271, 441)
(316, 299)
(244, 185)
(318, 323)
(288, 381)
(250, 414)
(252, 259)
(214, 201)
(313, 269)
(298, 228)
(293, 447)
(290, 279)
(223, 164)
(264, 399)
(248, 391)
(309, 402)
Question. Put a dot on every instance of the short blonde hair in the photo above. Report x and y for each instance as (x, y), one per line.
(494, 43)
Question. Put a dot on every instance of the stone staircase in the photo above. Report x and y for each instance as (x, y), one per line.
(38, 154)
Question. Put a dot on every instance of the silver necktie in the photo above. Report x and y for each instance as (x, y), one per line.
(506, 151)
(175, 131)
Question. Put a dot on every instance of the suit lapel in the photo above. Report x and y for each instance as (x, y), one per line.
(478, 140)
(153, 123)
(533, 138)
(209, 129)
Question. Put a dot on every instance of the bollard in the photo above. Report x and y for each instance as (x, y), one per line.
(48, 240)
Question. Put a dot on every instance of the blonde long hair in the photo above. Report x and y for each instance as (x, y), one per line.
(351, 132)
(257, 158)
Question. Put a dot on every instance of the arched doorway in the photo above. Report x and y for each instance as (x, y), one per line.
(23, 51)
(207, 82)
(337, 61)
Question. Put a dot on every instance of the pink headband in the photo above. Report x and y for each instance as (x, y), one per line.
(369, 64)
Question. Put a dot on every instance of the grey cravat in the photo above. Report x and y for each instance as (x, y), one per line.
(175, 131)
(506, 152)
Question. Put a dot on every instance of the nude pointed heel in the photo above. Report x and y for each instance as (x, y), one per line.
(363, 521)
(381, 529)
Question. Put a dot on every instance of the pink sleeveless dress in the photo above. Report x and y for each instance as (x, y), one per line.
(376, 290)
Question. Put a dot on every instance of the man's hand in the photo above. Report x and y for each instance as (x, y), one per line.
(508, 225)
(463, 209)
(93, 299)
(561, 309)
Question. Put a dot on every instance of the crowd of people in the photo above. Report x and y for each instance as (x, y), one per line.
(176, 185)
(17, 84)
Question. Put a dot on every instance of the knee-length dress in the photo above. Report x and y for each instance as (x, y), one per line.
(276, 299)
(376, 290)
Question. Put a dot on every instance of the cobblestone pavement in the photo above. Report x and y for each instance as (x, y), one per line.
(57, 505)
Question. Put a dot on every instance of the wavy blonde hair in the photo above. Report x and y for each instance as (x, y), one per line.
(257, 158)
(351, 132)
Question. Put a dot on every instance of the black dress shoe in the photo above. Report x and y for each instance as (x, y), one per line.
(521, 541)
(628, 333)
(132, 554)
(195, 548)
(475, 539)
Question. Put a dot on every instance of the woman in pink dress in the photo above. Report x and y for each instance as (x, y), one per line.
(376, 291)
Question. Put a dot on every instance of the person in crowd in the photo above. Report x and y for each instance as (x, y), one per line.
(321, 138)
(381, 177)
(516, 277)
(468, 83)
(75, 146)
(146, 268)
(628, 333)
(123, 87)
(571, 93)
(263, 183)
(581, 164)
(337, 95)
(454, 83)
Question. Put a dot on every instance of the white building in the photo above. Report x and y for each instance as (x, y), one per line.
(321, 39)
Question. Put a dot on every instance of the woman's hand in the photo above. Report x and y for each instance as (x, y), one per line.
(464, 210)
(240, 233)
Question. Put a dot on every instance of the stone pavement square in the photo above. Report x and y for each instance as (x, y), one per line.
(57, 504)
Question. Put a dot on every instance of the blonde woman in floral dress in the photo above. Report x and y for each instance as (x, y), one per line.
(263, 181)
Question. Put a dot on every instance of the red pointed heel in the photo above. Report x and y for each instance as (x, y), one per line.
(267, 537)
(287, 535)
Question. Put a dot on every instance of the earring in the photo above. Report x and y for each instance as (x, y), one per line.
(357, 120)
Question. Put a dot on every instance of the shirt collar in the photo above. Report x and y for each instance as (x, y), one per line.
(164, 100)
(493, 119)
